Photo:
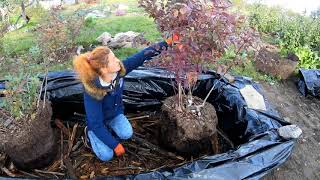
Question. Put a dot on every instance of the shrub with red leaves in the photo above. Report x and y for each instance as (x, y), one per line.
(209, 35)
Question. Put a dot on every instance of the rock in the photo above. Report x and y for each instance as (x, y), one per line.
(123, 39)
(96, 14)
(270, 62)
(79, 49)
(104, 38)
(290, 131)
(140, 41)
(128, 39)
(253, 98)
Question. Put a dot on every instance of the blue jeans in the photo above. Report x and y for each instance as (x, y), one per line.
(121, 126)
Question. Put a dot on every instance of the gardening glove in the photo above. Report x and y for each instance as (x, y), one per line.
(174, 40)
(119, 150)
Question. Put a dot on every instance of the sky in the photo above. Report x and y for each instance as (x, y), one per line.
(295, 5)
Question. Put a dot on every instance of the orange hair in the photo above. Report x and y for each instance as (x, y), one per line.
(88, 67)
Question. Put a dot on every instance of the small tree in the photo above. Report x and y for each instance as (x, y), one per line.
(58, 35)
(209, 36)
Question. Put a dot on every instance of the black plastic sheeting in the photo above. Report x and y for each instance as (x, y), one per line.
(309, 83)
(259, 146)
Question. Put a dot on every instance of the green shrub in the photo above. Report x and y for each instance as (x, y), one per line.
(292, 32)
(21, 94)
(308, 59)
(35, 54)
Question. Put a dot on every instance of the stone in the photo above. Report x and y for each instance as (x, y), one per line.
(104, 38)
(128, 39)
(290, 131)
(96, 14)
(253, 98)
(79, 49)
(123, 39)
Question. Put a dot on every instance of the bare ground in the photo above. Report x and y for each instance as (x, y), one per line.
(305, 112)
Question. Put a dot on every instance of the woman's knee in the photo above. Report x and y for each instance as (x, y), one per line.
(122, 127)
(102, 151)
(126, 134)
(105, 155)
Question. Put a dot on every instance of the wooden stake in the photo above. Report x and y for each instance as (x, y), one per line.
(49, 172)
(61, 143)
(71, 138)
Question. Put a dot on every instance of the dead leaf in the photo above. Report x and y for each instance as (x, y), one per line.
(175, 13)
(105, 170)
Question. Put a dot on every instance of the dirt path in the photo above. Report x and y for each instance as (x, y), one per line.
(305, 112)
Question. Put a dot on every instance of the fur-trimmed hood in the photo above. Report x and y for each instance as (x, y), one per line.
(87, 76)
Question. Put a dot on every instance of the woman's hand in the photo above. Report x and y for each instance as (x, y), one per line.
(174, 40)
(119, 150)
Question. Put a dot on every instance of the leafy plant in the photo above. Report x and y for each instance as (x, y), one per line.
(21, 94)
(57, 36)
(208, 35)
(308, 59)
(291, 31)
(35, 53)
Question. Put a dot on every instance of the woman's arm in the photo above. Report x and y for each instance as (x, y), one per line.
(138, 59)
(95, 121)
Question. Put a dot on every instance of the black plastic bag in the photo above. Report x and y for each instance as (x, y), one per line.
(260, 148)
(309, 82)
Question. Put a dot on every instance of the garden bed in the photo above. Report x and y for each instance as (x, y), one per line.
(257, 146)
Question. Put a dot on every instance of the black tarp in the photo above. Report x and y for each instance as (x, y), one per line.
(259, 146)
(309, 82)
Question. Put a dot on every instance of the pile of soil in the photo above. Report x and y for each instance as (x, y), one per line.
(270, 62)
(185, 131)
(30, 143)
(143, 153)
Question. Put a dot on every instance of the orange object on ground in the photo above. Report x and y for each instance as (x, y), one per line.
(119, 150)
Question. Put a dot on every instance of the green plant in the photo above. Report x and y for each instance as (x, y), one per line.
(307, 58)
(21, 94)
(35, 53)
(292, 32)
(90, 22)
